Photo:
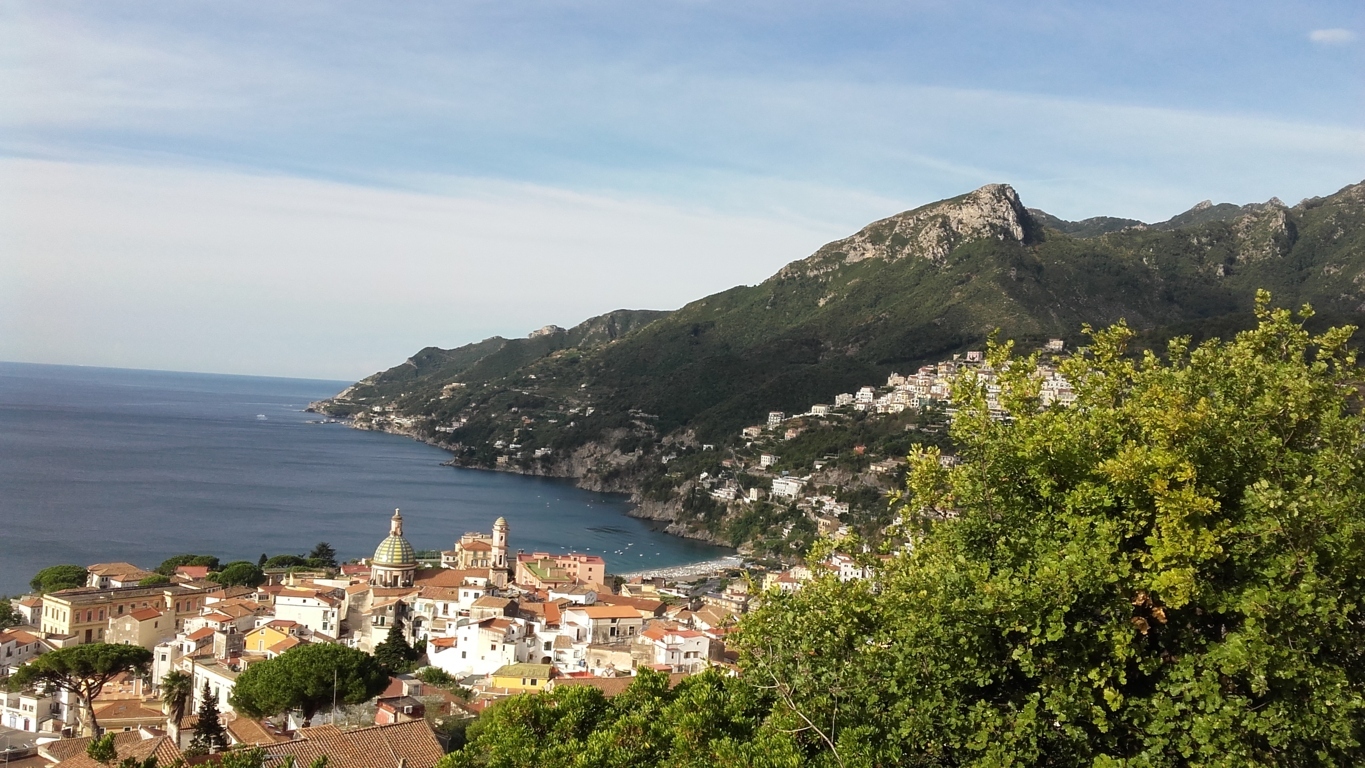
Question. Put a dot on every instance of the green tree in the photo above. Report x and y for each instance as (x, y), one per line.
(306, 678)
(1165, 574)
(8, 616)
(285, 561)
(239, 574)
(168, 566)
(323, 554)
(59, 577)
(395, 654)
(707, 720)
(82, 670)
(177, 689)
(209, 734)
(101, 749)
(154, 580)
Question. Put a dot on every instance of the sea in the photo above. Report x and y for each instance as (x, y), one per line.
(103, 464)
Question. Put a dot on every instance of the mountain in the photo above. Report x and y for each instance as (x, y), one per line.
(909, 289)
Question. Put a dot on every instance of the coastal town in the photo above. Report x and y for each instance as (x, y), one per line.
(770, 489)
(484, 622)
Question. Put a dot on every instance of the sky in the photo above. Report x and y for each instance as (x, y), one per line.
(320, 189)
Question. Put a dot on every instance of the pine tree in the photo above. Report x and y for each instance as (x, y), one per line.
(209, 735)
(395, 654)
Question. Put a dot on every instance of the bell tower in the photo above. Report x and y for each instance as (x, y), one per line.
(500, 544)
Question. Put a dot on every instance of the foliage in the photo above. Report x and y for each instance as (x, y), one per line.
(58, 577)
(708, 719)
(1165, 574)
(303, 678)
(83, 670)
(395, 654)
(101, 749)
(209, 734)
(154, 580)
(239, 574)
(168, 566)
(8, 616)
(323, 554)
(176, 694)
(285, 561)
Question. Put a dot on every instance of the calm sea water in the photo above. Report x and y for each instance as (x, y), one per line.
(100, 464)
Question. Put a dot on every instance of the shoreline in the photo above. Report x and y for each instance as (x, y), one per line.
(682, 572)
(636, 511)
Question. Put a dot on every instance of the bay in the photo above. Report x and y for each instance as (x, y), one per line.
(101, 465)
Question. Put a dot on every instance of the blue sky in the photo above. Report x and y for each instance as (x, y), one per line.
(323, 188)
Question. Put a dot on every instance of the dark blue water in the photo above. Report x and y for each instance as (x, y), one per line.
(100, 464)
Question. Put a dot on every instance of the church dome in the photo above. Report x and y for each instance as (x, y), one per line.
(395, 550)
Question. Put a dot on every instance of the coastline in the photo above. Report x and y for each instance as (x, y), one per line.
(690, 570)
(660, 517)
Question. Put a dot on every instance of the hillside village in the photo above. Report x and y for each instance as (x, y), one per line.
(772, 488)
(492, 621)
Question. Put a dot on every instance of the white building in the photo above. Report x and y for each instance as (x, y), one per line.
(313, 609)
(843, 399)
(775, 418)
(865, 395)
(479, 647)
(17, 647)
(683, 650)
(767, 460)
(787, 487)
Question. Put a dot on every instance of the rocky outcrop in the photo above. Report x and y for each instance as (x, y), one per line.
(930, 232)
(1264, 231)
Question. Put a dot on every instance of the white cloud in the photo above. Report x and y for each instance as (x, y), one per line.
(202, 270)
(1332, 36)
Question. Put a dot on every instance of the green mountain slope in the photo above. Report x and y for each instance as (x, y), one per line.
(909, 289)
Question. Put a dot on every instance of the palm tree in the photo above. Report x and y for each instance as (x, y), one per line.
(176, 689)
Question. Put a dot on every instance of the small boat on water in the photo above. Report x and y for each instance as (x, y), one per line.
(261, 417)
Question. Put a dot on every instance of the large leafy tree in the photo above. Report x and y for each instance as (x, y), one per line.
(306, 678)
(239, 573)
(58, 577)
(1167, 573)
(168, 566)
(8, 616)
(706, 720)
(83, 670)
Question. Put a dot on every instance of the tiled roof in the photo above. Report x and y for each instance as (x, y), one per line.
(411, 744)
(442, 642)
(126, 709)
(611, 686)
(248, 731)
(488, 601)
(200, 634)
(285, 644)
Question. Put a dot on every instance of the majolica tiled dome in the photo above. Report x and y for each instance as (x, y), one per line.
(395, 550)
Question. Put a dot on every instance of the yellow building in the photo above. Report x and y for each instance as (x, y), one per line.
(83, 615)
(265, 637)
(528, 678)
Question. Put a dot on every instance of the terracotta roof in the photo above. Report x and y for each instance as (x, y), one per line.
(383, 746)
(200, 634)
(17, 635)
(642, 604)
(126, 709)
(31, 602)
(282, 624)
(488, 601)
(442, 642)
(448, 577)
(216, 616)
(248, 731)
(285, 644)
(193, 571)
(114, 569)
(144, 614)
(70, 753)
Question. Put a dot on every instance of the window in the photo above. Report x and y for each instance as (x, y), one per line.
(533, 681)
(547, 645)
(101, 614)
(492, 646)
(464, 654)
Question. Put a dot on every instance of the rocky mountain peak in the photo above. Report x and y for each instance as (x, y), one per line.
(930, 232)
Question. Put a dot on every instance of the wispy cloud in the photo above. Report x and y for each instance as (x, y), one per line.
(1332, 36)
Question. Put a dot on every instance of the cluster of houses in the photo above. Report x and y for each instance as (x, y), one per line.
(500, 622)
(931, 385)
